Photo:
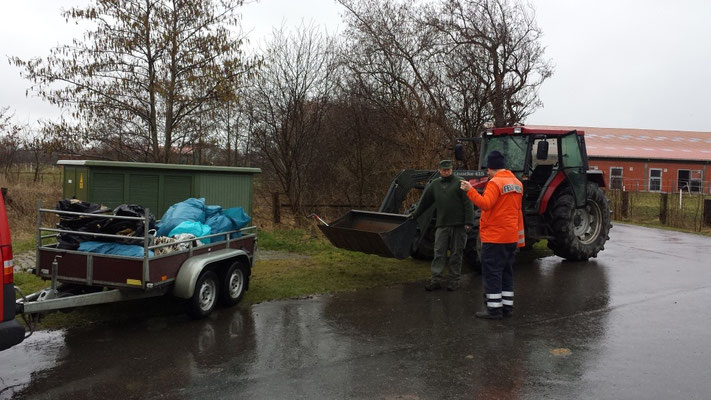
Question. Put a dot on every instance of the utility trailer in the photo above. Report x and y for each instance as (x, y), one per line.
(203, 274)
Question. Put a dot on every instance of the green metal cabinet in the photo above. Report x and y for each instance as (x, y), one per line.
(157, 186)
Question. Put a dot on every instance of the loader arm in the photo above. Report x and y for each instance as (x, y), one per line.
(405, 181)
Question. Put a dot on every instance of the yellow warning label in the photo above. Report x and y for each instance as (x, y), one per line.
(133, 282)
(81, 181)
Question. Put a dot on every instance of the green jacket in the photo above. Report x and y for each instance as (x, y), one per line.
(452, 205)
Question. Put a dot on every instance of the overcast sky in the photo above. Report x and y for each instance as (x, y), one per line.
(618, 63)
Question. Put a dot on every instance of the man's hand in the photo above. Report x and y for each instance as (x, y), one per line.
(465, 185)
(468, 227)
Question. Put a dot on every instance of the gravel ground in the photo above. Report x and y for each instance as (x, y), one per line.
(24, 261)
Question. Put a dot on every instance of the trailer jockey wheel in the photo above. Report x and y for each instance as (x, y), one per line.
(205, 295)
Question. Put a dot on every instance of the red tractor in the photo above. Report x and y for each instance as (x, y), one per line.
(563, 200)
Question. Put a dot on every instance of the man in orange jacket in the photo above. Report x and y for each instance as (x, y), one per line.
(501, 231)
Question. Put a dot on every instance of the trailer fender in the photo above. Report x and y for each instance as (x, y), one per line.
(192, 267)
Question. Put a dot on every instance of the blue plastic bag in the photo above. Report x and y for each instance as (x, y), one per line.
(211, 211)
(239, 218)
(219, 223)
(231, 219)
(189, 210)
(193, 227)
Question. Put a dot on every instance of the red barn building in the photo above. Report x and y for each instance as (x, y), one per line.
(649, 160)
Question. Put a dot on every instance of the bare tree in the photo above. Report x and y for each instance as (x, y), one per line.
(444, 69)
(287, 104)
(495, 50)
(10, 139)
(147, 70)
(366, 155)
(391, 63)
(40, 146)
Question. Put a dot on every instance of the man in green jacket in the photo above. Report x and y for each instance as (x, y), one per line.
(455, 216)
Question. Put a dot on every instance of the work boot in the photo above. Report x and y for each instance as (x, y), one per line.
(508, 312)
(486, 315)
(452, 286)
(432, 286)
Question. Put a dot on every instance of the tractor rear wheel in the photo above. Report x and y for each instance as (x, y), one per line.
(579, 233)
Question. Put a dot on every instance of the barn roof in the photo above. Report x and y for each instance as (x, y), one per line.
(643, 143)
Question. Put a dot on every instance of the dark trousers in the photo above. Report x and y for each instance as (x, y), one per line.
(452, 238)
(497, 261)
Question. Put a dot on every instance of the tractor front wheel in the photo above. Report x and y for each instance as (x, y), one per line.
(579, 233)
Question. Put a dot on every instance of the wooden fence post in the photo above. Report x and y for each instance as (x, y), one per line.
(663, 202)
(707, 212)
(276, 207)
(625, 204)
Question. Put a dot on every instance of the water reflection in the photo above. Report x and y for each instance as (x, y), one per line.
(559, 305)
(19, 363)
(142, 359)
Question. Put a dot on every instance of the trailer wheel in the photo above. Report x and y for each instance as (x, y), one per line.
(233, 284)
(205, 296)
(579, 234)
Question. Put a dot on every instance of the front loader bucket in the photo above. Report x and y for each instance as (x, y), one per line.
(384, 234)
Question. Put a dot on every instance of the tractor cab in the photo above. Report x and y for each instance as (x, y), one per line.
(541, 159)
(563, 200)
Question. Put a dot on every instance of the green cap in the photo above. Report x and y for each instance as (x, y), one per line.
(445, 164)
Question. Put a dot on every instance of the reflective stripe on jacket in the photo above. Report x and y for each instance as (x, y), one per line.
(501, 216)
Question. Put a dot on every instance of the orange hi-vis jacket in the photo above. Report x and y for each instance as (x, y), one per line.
(501, 216)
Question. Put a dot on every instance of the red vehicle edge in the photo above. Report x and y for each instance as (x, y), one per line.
(11, 332)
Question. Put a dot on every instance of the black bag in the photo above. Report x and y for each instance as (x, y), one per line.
(81, 223)
(128, 228)
(112, 226)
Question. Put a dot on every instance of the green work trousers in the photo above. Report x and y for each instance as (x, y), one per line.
(452, 239)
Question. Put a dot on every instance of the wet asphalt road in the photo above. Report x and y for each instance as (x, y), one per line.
(634, 323)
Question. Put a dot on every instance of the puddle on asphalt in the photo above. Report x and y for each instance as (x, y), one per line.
(37, 353)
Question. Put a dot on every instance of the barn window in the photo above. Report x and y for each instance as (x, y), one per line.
(655, 180)
(689, 180)
(616, 177)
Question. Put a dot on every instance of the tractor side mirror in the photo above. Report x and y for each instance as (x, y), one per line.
(542, 150)
(459, 152)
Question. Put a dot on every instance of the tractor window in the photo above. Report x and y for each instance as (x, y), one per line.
(512, 147)
(552, 153)
(572, 157)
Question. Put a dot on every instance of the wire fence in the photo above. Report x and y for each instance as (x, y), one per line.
(689, 186)
(683, 210)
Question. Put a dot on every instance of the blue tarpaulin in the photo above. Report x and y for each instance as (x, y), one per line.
(121, 249)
